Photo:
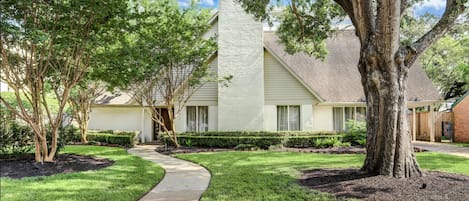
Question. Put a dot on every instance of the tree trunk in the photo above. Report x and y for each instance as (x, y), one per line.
(389, 148)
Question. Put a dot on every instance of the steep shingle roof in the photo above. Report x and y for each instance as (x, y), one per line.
(336, 79)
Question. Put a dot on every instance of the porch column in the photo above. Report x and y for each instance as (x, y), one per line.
(432, 123)
(142, 126)
(414, 125)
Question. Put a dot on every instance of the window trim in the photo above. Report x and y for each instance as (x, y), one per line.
(344, 118)
(288, 117)
(197, 126)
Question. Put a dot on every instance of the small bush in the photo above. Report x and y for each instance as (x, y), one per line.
(123, 140)
(258, 133)
(16, 139)
(246, 147)
(356, 133)
(263, 142)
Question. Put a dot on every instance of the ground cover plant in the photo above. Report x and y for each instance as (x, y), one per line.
(129, 178)
(265, 175)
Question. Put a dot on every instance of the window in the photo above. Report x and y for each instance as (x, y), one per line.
(288, 117)
(197, 118)
(342, 114)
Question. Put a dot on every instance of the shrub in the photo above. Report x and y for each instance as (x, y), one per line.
(246, 147)
(16, 139)
(356, 133)
(263, 142)
(258, 133)
(123, 140)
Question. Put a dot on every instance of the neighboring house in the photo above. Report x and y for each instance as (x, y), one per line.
(461, 119)
(270, 90)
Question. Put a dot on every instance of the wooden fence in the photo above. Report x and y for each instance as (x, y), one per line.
(425, 123)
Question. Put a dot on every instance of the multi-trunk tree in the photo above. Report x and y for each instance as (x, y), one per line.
(164, 59)
(46, 48)
(383, 64)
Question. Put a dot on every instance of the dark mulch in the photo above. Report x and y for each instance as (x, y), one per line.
(353, 183)
(184, 150)
(25, 165)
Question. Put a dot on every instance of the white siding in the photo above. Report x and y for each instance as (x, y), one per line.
(322, 118)
(181, 121)
(208, 93)
(281, 87)
(121, 118)
(212, 32)
(306, 117)
(270, 117)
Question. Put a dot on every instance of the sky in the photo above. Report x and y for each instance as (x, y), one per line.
(435, 7)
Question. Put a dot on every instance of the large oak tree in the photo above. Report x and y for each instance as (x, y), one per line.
(383, 64)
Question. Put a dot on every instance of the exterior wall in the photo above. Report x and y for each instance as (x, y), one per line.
(270, 117)
(121, 118)
(209, 91)
(306, 117)
(240, 54)
(281, 87)
(180, 123)
(461, 121)
(322, 118)
(212, 31)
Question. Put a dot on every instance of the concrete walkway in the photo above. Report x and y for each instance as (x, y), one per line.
(443, 148)
(183, 181)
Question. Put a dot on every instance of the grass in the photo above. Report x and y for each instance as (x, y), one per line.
(461, 144)
(128, 179)
(267, 175)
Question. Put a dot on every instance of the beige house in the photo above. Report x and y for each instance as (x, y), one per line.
(270, 90)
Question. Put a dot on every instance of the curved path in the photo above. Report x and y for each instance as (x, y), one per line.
(443, 148)
(183, 180)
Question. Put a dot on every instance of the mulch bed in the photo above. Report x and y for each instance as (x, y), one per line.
(25, 165)
(353, 183)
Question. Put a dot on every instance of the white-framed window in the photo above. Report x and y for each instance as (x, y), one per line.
(197, 118)
(288, 117)
(342, 114)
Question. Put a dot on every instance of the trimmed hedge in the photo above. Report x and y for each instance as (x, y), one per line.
(260, 141)
(258, 133)
(123, 140)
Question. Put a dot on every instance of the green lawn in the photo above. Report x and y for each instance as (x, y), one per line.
(267, 175)
(128, 179)
(461, 144)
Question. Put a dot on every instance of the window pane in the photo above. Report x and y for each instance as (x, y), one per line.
(349, 114)
(203, 118)
(338, 116)
(361, 113)
(294, 118)
(282, 118)
(191, 118)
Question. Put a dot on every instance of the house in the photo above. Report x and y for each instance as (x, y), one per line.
(270, 90)
(461, 118)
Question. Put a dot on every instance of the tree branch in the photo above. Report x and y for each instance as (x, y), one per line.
(454, 8)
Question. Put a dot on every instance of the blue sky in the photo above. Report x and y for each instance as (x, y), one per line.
(435, 7)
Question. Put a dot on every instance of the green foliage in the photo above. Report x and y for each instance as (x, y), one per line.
(263, 142)
(356, 133)
(126, 140)
(305, 35)
(330, 142)
(246, 147)
(258, 133)
(129, 178)
(16, 139)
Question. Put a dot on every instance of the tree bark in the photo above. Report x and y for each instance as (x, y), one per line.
(389, 148)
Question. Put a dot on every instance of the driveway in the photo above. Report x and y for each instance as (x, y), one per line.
(443, 148)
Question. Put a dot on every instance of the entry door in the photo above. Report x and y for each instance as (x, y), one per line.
(157, 127)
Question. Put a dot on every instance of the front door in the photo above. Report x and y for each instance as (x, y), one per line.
(157, 128)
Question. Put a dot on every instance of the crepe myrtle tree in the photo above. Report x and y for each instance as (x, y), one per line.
(46, 48)
(164, 59)
(383, 64)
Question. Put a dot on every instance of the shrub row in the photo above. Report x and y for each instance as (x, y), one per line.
(263, 142)
(258, 133)
(123, 140)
